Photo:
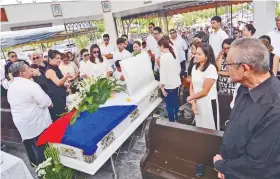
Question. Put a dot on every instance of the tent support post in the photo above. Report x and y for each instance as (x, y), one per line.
(67, 34)
(3, 54)
(231, 33)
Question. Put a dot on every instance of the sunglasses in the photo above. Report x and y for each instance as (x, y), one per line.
(236, 32)
(85, 55)
(95, 52)
(150, 27)
(13, 56)
(105, 39)
(34, 58)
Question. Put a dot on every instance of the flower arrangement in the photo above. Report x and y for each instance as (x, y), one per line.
(51, 168)
(91, 93)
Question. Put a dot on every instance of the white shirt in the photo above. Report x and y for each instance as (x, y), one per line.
(199, 76)
(109, 49)
(169, 71)
(86, 68)
(117, 75)
(275, 41)
(102, 68)
(117, 55)
(216, 39)
(70, 68)
(151, 43)
(29, 106)
(180, 45)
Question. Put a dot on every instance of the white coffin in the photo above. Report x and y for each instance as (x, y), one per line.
(143, 91)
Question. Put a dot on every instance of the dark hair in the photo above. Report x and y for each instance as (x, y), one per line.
(196, 44)
(209, 53)
(216, 18)
(251, 28)
(83, 51)
(34, 66)
(124, 35)
(151, 23)
(69, 53)
(172, 30)
(74, 88)
(64, 55)
(227, 41)
(92, 59)
(144, 43)
(9, 53)
(165, 43)
(53, 53)
(158, 29)
(201, 35)
(120, 40)
(137, 42)
(265, 37)
(117, 63)
(106, 36)
(166, 37)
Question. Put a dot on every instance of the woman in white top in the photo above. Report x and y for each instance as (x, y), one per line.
(68, 67)
(203, 90)
(102, 66)
(169, 78)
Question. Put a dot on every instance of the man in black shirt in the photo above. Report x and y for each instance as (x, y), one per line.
(251, 142)
(128, 46)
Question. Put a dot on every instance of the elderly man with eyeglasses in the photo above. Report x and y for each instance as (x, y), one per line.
(251, 142)
(29, 107)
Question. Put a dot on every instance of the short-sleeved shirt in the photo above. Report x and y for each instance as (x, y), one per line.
(275, 41)
(109, 49)
(199, 76)
(216, 39)
(180, 45)
(117, 55)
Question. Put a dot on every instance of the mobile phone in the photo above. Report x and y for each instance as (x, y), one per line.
(199, 170)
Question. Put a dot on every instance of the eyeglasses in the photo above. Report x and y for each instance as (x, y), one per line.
(150, 27)
(236, 32)
(172, 33)
(85, 55)
(13, 56)
(34, 58)
(95, 52)
(106, 40)
(227, 65)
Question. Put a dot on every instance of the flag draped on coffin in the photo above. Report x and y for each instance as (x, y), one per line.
(89, 129)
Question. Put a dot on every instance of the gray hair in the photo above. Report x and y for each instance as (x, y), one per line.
(16, 68)
(253, 52)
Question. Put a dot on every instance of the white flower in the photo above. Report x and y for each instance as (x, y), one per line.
(53, 169)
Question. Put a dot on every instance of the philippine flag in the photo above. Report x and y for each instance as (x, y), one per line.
(89, 129)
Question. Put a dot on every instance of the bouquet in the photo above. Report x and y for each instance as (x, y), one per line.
(51, 168)
(91, 93)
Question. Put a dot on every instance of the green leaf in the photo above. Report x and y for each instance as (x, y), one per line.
(89, 99)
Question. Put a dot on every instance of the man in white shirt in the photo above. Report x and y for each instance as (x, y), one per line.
(181, 46)
(275, 37)
(121, 53)
(29, 107)
(151, 43)
(107, 49)
(217, 36)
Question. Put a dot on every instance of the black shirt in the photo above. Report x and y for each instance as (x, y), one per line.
(251, 142)
(129, 47)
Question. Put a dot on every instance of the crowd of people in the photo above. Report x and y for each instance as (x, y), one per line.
(213, 63)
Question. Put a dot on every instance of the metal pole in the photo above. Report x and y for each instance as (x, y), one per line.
(113, 168)
(67, 34)
(231, 33)
(216, 9)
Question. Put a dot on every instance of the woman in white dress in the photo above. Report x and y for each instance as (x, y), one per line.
(68, 67)
(203, 90)
(102, 66)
